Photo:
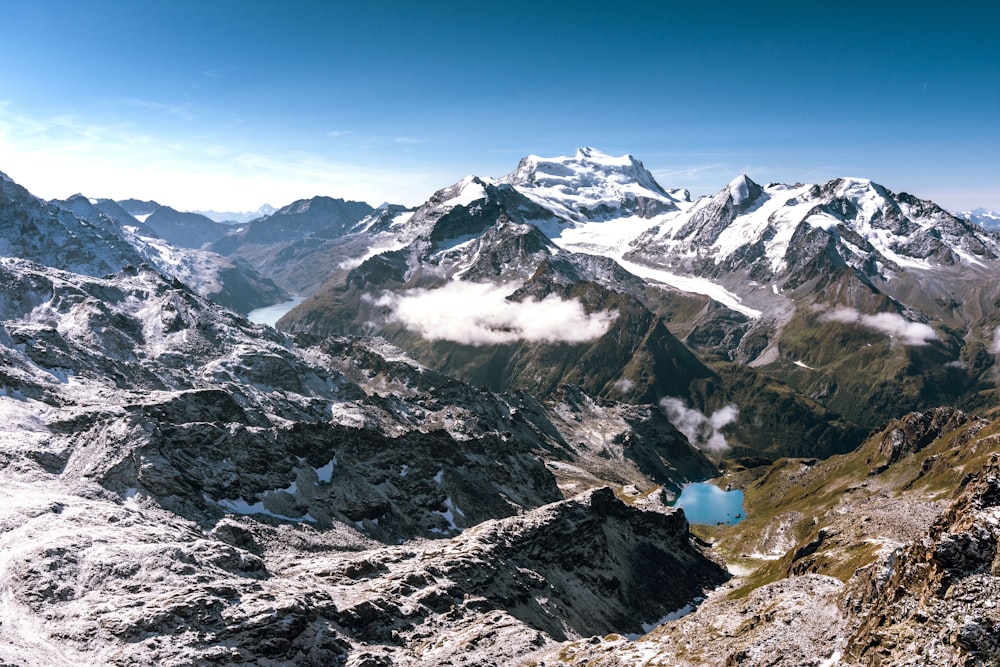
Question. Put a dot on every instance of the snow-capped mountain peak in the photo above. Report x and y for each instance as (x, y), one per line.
(742, 189)
(780, 228)
(591, 185)
(588, 168)
(467, 190)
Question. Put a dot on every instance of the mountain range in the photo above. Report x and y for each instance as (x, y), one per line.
(237, 217)
(805, 285)
(983, 217)
(460, 447)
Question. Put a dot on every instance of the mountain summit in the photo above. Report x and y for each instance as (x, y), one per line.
(592, 185)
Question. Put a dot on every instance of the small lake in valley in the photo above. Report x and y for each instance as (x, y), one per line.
(707, 504)
(271, 314)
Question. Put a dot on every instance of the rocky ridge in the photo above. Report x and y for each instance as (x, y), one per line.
(122, 583)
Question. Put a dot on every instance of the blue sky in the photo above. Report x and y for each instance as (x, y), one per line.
(229, 105)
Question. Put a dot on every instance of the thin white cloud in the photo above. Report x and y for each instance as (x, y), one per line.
(625, 385)
(702, 432)
(892, 324)
(687, 172)
(336, 134)
(481, 314)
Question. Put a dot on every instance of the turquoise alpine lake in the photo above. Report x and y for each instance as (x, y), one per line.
(708, 505)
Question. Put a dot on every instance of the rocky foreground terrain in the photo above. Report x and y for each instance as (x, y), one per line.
(461, 449)
(181, 486)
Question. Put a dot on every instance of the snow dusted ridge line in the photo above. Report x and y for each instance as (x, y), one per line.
(745, 223)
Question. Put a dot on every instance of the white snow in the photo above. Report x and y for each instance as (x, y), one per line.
(738, 190)
(572, 185)
(823, 221)
(325, 473)
(401, 219)
(468, 192)
(403, 470)
(142, 217)
(383, 243)
(449, 515)
(802, 365)
(672, 616)
(691, 284)
(599, 238)
(241, 506)
(832, 661)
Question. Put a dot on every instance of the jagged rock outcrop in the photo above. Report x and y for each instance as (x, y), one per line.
(917, 430)
(936, 601)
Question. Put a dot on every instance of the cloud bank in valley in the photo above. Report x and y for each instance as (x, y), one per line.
(481, 314)
(891, 324)
(701, 431)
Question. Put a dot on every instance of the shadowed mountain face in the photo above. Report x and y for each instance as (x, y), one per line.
(186, 230)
